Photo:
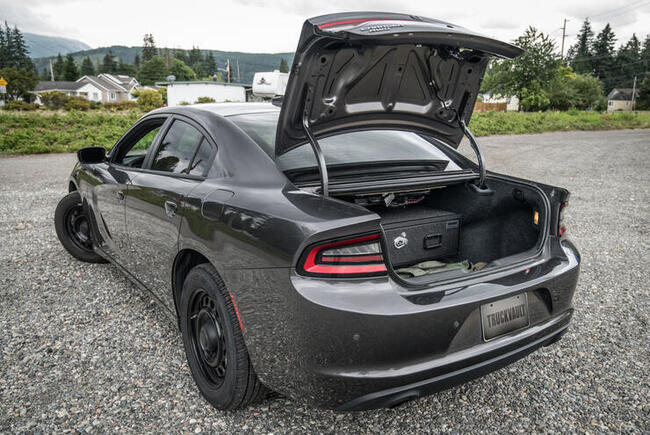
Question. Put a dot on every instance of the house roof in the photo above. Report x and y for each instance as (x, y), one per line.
(622, 94)
(57, 86)
(110, 82)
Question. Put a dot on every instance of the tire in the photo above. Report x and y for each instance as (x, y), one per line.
(214, 343)
(73, 229)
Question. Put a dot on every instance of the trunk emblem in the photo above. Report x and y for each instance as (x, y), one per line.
(400, 241)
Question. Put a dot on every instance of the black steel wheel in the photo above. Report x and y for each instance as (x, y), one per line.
(214, 343)
(73, 229)
(208, 339)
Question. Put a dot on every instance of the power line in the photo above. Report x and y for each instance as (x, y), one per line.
(619, 11)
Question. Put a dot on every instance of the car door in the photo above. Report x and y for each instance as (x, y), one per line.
(154, 202)
(108, 198)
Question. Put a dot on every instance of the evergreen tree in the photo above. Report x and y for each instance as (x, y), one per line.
(109, 65)
(13, 49)
(284, 67)
(604, 57)
(4, 52)
(194, 56)
(581, 53)
(645, 53)
(209, 64)
(59, 68)
(87, 68)
(21, 53)
(629, 62)
(70, 71)
(136, 61)
(149, 47)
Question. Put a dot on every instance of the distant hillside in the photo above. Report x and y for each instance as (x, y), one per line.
(249, 63)
(42, 46)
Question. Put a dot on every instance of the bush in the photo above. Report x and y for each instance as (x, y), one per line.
(95, 105)
(20, 105)
(53, 99)
(202, 100)
(183, 103)
(149, 100)
(77, 103)
(121, 105)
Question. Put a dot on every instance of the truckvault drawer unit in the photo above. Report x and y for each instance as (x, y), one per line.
(426, 238)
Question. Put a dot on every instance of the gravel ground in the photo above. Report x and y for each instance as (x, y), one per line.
(83, 349)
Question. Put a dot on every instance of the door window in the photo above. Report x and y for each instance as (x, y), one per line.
(178, 150)
(133, 149)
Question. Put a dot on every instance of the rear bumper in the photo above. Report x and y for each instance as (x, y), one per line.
(473, 363)
(365, 343)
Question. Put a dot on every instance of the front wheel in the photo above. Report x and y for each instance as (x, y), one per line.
(73, 229)
(214, 344)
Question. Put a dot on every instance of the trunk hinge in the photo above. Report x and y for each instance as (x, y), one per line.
(479, 154)
(320, 158)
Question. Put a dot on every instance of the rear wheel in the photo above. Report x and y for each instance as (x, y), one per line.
(214, 344)
(73, 229)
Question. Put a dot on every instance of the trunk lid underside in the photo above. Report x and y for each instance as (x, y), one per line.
(373, 70)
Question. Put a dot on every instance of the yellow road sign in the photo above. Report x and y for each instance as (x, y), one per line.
(3, 82)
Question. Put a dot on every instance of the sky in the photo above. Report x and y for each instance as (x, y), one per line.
(270, 26)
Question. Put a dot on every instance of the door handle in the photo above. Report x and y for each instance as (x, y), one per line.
(170, 208)
(120, 195)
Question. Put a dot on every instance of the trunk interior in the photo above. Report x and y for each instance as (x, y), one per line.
(455, 230)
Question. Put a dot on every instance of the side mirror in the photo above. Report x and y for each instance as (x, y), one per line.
(91, 155)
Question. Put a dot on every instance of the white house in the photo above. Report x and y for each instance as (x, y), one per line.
(620, 100)
(189, 92)
(103, 88)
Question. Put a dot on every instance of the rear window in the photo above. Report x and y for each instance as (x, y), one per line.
(347, 148)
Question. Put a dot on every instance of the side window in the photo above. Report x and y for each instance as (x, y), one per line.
(178, 148)
(134, 148)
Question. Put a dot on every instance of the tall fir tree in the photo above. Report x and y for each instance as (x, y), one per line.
(136, 61)
(13, 49)
(645, 54)
(581, 52)
(629, 62)
(70, 71)
(284, 67)
(209, 64)
(604, 57)
(87, 67)
(4, 52)
(149, 47)
(59, 68)
(109, 65)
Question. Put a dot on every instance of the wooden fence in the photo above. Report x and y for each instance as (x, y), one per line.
(495, 107)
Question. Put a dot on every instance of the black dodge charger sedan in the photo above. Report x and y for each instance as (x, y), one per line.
(334, 246)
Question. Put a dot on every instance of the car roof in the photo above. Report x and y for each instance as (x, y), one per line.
(221, 109)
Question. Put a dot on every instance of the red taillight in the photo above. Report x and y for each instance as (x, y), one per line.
(359, 256)
(561, 228)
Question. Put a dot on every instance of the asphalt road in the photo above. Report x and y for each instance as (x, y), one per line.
(81, 348)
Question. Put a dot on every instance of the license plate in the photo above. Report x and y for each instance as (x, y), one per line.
(505, 315)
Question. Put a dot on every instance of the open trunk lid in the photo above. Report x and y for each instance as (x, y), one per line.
(372, 70)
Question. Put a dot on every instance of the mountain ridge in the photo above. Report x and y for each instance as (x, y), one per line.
(43, 45)
(249, 63)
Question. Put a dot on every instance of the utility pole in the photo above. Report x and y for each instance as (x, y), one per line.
(563, 36)
(238, 76)
(633, 93)
(51, 71)
(228, 69)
